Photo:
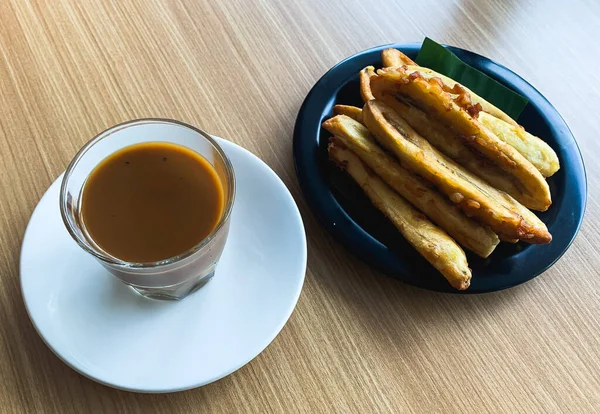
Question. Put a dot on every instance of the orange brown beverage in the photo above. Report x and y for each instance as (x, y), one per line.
(151, 201)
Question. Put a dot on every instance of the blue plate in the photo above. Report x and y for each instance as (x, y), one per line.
(348, 215)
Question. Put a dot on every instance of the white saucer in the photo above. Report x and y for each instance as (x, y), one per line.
(111, 334)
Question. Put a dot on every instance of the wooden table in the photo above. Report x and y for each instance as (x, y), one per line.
(358, 341)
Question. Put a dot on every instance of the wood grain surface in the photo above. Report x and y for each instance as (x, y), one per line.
(357, 341)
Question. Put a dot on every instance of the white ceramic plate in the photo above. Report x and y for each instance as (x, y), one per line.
(111, 334)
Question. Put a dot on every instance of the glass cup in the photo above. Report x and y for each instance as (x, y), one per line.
(178, 276)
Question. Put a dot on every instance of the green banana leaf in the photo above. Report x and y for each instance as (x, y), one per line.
(437, 57)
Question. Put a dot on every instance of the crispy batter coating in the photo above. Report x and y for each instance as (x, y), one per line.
(393, 58)
(451, 83)
(531, 147)
(506, 217)
(451, 145)
(429, 240)
(467, 232)
(348, 110)
(365, 83)
(459, 115)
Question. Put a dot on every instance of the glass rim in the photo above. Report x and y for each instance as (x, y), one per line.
(84, 244)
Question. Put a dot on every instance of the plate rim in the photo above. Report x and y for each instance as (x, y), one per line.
(267, 340)
(349, 238)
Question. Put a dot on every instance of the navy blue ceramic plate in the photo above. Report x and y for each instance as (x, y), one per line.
(349, 216)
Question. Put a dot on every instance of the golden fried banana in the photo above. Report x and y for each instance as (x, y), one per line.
(348, 110)
(365, 83)
(458, 114)
(506, 217)
(393, 58)
(451, 83)
(450, 144)
(430, 241)
(467, 232)
(531, 147)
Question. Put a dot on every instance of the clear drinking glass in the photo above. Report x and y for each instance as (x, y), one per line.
(172, 278)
